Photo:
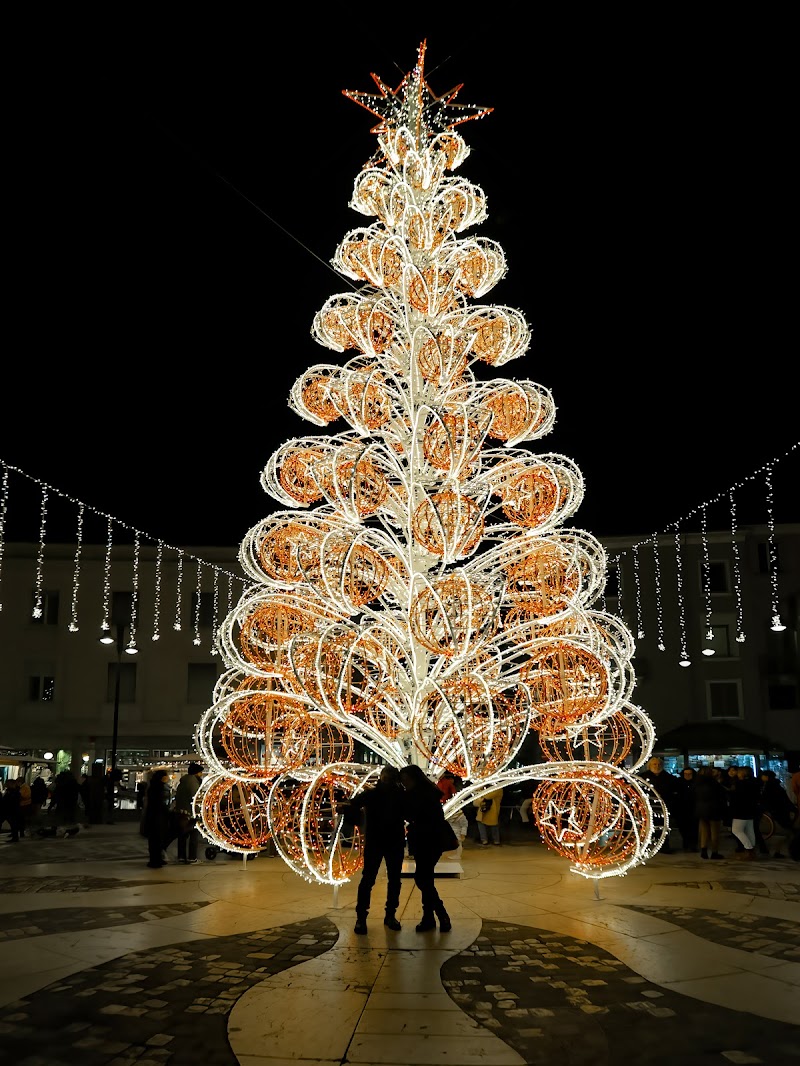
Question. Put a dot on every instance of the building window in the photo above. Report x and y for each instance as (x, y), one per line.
(724, 699)
(49, 608)
(127, 682)
(41, 688)
(200, 681)
(206, 615)
(719, 580)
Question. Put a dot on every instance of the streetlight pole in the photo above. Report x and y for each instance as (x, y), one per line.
(113, 773)
(115, 734)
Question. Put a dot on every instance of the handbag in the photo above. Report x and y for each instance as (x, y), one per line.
(486, 806)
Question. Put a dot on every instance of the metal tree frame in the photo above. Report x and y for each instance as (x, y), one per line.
(421, 594)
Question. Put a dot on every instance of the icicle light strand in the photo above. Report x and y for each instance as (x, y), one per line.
(708, 649)
(772, 555)
(737, 575)
(76, 574)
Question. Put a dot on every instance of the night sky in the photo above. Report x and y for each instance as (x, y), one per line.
(175, 206)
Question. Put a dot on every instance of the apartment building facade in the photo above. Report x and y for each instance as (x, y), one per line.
(679, 597)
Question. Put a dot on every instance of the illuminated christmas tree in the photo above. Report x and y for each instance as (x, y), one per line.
(421, 598)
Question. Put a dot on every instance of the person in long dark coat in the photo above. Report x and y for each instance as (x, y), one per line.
(710, 804)
(157, 819)
(426, 827)
(384, 831)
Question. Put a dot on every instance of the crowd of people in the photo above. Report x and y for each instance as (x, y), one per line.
(703, 800)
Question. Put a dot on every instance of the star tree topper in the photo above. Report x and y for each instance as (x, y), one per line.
(413, 104)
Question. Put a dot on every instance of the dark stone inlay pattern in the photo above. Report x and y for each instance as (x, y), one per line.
(73, 883)
(26, 924)
(785, 890)
(556, 999)
(776, 937)
(170, 1005)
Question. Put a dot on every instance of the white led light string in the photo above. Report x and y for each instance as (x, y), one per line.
(48, 491)
(772, 555)
(134, 598)
(3, 513)
(215, 617)
(196, 640)
(637, 585)
(76, 573)
(105, 625)
(37, 603)
(684, 657)
(708, 649)
(659, 605)
(737, 575)
(157, 597)
(176, 625)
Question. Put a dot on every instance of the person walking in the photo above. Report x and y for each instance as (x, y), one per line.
(710, 801)
(379, 813)
(156, 821)
(185, 821)
(489, 817)
(427, 830)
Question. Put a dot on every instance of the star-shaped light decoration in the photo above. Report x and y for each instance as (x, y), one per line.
(413, 104)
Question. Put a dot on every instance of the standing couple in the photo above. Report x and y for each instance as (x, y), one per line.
(400, 797)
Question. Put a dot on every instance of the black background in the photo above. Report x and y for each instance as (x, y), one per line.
(177, 192)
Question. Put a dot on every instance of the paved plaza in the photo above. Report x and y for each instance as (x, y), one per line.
(230, 961)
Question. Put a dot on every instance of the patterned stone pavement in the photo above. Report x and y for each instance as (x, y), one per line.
(552, 998)
(555, 999)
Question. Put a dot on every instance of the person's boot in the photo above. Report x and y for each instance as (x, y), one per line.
(391, 922)
(703, 853)
(428, 922)
(361, 924)
(444, 919)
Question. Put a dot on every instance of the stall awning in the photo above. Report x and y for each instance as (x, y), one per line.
(711, 737)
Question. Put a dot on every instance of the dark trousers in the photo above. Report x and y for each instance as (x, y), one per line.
(187, 843)
(425, 863)
(374, 855)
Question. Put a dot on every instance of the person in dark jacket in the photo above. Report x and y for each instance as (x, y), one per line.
(380, 809)
(685, 816)
(775, 802)
(665, 785)
(188, 833)
(744, 798)
(93, 794)
(66, 796)
(710, 803)
(157, 822)
(426, 827)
